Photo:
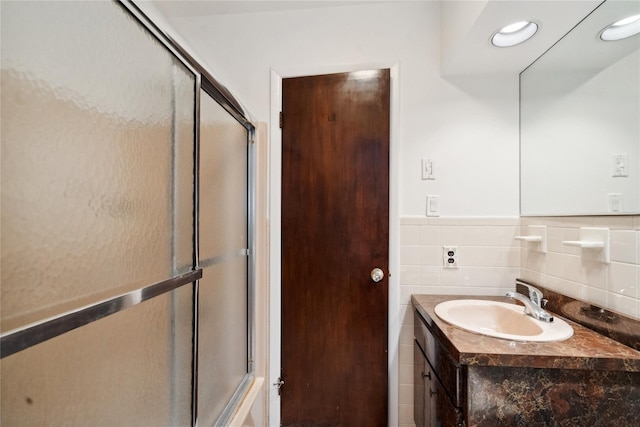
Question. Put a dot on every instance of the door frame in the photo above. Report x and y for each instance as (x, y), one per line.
(275, 229)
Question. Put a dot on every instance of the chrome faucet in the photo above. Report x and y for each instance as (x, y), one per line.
(533, 304)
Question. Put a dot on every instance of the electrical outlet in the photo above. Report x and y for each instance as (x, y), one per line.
(450, 256)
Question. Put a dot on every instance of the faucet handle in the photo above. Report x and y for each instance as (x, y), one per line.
(535, 294)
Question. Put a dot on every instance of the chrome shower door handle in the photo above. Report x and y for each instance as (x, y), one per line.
(377, 275)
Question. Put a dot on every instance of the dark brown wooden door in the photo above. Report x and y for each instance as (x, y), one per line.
(335, 230)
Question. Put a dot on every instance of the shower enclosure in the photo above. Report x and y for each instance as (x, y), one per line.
(126, 224)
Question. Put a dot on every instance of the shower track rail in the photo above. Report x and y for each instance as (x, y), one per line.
(29, 335)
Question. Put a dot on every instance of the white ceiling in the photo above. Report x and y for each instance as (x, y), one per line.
(466, 26)
(188, 8)
(583, 50)
(473, 53)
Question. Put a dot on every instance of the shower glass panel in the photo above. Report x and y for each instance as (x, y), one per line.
(97, 158)
(113, 372)
(223, 307)
(97, 200)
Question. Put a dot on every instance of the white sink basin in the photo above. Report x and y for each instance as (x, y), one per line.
(501, 320)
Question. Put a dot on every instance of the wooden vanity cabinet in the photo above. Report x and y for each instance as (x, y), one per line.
(587, 380)
(438, 384)
(451, 393)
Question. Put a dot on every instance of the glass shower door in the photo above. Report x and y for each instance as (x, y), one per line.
(97, 199)
(223, 308)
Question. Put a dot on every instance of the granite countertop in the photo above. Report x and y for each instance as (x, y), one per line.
(586, 349)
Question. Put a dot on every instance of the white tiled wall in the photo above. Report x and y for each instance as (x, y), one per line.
(615, 285)
(490, 259)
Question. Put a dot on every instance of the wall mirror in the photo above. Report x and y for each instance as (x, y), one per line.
(580, 121)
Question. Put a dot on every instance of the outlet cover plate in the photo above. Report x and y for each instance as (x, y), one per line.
(450, 256)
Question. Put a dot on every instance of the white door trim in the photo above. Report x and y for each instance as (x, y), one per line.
(275, 242)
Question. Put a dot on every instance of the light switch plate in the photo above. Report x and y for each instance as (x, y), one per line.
(615, 202)
(433, 205)
(427, 169)
(620, 166)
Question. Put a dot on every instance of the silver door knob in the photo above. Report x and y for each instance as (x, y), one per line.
(377, 275)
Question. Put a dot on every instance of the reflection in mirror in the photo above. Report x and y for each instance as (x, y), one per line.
(580, 122)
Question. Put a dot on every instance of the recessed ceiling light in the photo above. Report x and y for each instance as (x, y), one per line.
(514, 34)
(622, 29)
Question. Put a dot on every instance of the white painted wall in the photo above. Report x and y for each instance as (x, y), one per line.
(468, 125)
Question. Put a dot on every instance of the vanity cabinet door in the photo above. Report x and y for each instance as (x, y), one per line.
(421, 377)
(432, 405)
(425, 388)
(443, 412)
(438, 382)
(441, 361)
